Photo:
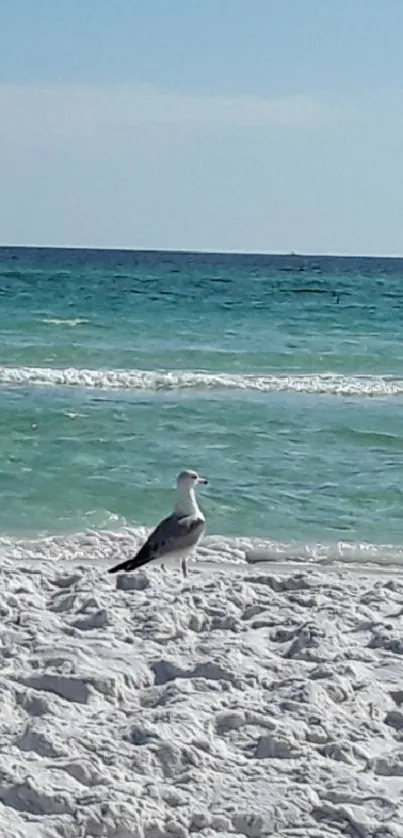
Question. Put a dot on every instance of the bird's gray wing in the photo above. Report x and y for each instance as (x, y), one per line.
(175, 533)
(172, 534)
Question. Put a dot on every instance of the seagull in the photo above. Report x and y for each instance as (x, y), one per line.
(176, 536)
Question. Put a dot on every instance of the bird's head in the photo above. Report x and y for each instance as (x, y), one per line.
(187, 480)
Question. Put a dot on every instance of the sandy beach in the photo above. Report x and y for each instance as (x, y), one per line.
(201, 365)
(257, 700)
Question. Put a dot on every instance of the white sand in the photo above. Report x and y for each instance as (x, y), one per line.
(257, 702)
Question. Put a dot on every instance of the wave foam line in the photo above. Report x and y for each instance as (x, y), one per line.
(320, 383)
(113, 545)
(60, 321)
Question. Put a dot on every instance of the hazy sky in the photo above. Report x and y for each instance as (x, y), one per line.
(260, 125)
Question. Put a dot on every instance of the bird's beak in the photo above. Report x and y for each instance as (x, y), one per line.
(202, 480)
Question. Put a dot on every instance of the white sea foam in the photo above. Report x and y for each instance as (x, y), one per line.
(248, 703)
(65, 321)
(117, 545)
(321, 383)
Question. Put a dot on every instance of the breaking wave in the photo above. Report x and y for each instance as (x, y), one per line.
(323, 383)
(60, 321)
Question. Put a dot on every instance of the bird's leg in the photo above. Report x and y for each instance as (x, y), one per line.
(184, 568)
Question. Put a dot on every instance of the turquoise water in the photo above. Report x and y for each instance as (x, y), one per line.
(281, 378)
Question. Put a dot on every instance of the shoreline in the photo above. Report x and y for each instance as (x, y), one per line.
(228, 568)
(99, 547)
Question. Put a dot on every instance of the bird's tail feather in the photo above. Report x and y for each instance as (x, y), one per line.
(132, 564)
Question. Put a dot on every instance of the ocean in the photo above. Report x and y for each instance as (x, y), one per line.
(278, 377)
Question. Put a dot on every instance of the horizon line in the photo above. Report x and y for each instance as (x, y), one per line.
(207, 251)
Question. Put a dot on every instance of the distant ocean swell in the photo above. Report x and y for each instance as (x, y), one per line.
(323, 383)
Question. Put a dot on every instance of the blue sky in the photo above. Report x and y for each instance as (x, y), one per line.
(250, 125)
